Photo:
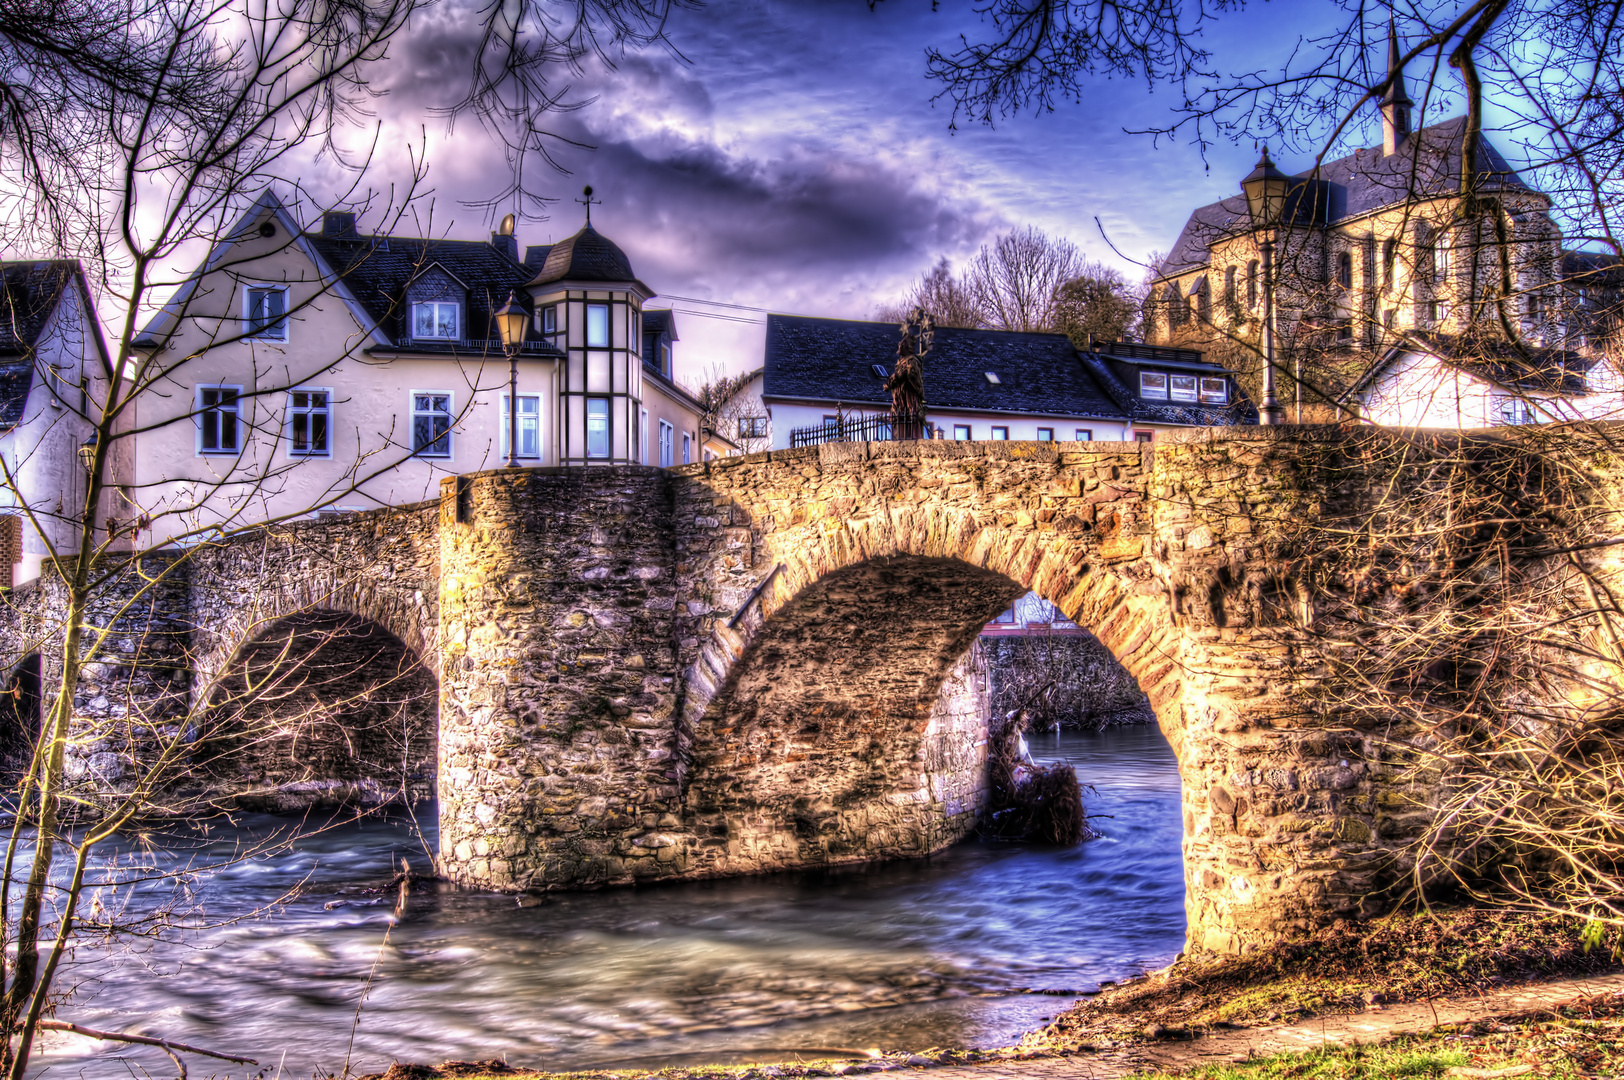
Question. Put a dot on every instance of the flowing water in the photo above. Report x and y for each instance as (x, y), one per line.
(938, 952)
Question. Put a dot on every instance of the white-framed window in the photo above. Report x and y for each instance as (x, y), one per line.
(1085, 434)
(752, 427)
(549, 319)
(667, 434)
(597, 327)
(1214, 391)
(687, 447)
(1153, 384)
(436, 321)
(431, 423)
(597, 427)
(642, 438)
(310, 422)
(1516, 410)
(1000, 434)
(529, 426)
(961, 432)
(1045, 434)
(219, 419)
(1181, 387)
(265, 312)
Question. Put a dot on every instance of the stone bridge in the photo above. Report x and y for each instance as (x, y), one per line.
(757, 663)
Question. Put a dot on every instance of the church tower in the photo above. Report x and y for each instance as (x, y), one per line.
(1395, 102)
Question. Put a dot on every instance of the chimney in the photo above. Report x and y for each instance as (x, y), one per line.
(1395, 102)
(337, 225)
(503, 239)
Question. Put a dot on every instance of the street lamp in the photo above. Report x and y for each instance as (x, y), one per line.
(1266, 188)
(87, 453)
(511, 322)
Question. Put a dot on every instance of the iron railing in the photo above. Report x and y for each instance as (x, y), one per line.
(855, 427)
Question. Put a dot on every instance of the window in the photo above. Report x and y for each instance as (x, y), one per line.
(1389, 261)
(1181, 387)
(1440, 254)
(1143, 436)
(597, 330)
(992, 377)
(752, 427)
(831, 421)
(529, 426)
(665, 359)
(1045, 434)
(1085, 434)
(431, 423)
(1251, 284)
(961, 432)
(687, 448)
(1203, 300)
(431, 321)
(642, 438)
(1516, 411)
(1389, 318)
(1000, 434)
(310, 414)
(1214, 391)
(1152, 384)
(1229, 286)
(1432, 311)
(1536, 306)
(265, 311)
(879, 371)
(1344, 270)
(597, 427)
(1005, 617)
(219, 421)
(1367, 262)
(549, 319)
(667, 459)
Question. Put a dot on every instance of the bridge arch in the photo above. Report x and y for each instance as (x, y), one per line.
(319, 707)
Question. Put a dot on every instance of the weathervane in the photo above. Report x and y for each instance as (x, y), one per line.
(588, 201)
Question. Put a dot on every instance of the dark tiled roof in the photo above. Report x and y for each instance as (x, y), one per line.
(29, 292)
(586, 256)
(1555, 371)
(832, 360)
(1117, 369)
(1601, 269)
(1428, 164)
(658, 321)
(536, 254)
(377, 270)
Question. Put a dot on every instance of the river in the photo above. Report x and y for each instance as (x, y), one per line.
(937, 952)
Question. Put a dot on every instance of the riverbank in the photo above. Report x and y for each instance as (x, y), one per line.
(1375, 978)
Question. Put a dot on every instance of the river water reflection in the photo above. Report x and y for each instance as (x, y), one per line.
(903, 956)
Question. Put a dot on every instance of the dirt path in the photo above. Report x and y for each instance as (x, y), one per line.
(1373, 1026)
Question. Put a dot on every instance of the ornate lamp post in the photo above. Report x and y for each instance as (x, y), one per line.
(1266, 188)
(511, 321)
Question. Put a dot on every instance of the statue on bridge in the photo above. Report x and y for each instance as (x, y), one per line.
(907, 382)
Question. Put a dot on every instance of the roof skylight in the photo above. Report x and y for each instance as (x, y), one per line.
(992, 377)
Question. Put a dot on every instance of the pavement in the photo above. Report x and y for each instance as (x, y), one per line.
(1379, 1022)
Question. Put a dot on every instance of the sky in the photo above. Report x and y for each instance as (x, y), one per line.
(785, 155)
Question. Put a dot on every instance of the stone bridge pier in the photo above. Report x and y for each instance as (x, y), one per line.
(755, 663)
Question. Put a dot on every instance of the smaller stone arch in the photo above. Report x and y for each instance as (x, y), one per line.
(22, 704)
(319, 707)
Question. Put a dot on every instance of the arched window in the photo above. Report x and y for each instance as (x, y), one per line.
(1203, 299)
(1229, 286)
(1251, 284)
(1389, 261)
(1344, 269)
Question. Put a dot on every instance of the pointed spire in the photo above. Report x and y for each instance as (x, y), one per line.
(1395, 103)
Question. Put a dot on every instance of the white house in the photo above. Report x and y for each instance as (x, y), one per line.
(52, 356)
(988, 384)
(332, 369)
(1430, 381)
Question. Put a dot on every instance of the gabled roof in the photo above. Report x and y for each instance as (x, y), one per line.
(1427, 165)
(377, 270)
(30, 292)
(1544, 371)
(833, 360)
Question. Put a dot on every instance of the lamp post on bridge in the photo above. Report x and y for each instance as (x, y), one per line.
(1266, 188)
(511, 322)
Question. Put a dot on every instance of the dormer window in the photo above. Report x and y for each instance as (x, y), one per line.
(1215, 391)
(992, 377)
(435, 321)
(1181, 387)
(1153, 384)
(879, 370)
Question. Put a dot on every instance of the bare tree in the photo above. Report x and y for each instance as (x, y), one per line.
(135, 135)
(943, 294)
(728, 408)
(1010, 284)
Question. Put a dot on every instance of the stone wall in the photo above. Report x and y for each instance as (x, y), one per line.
(1086, 686)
